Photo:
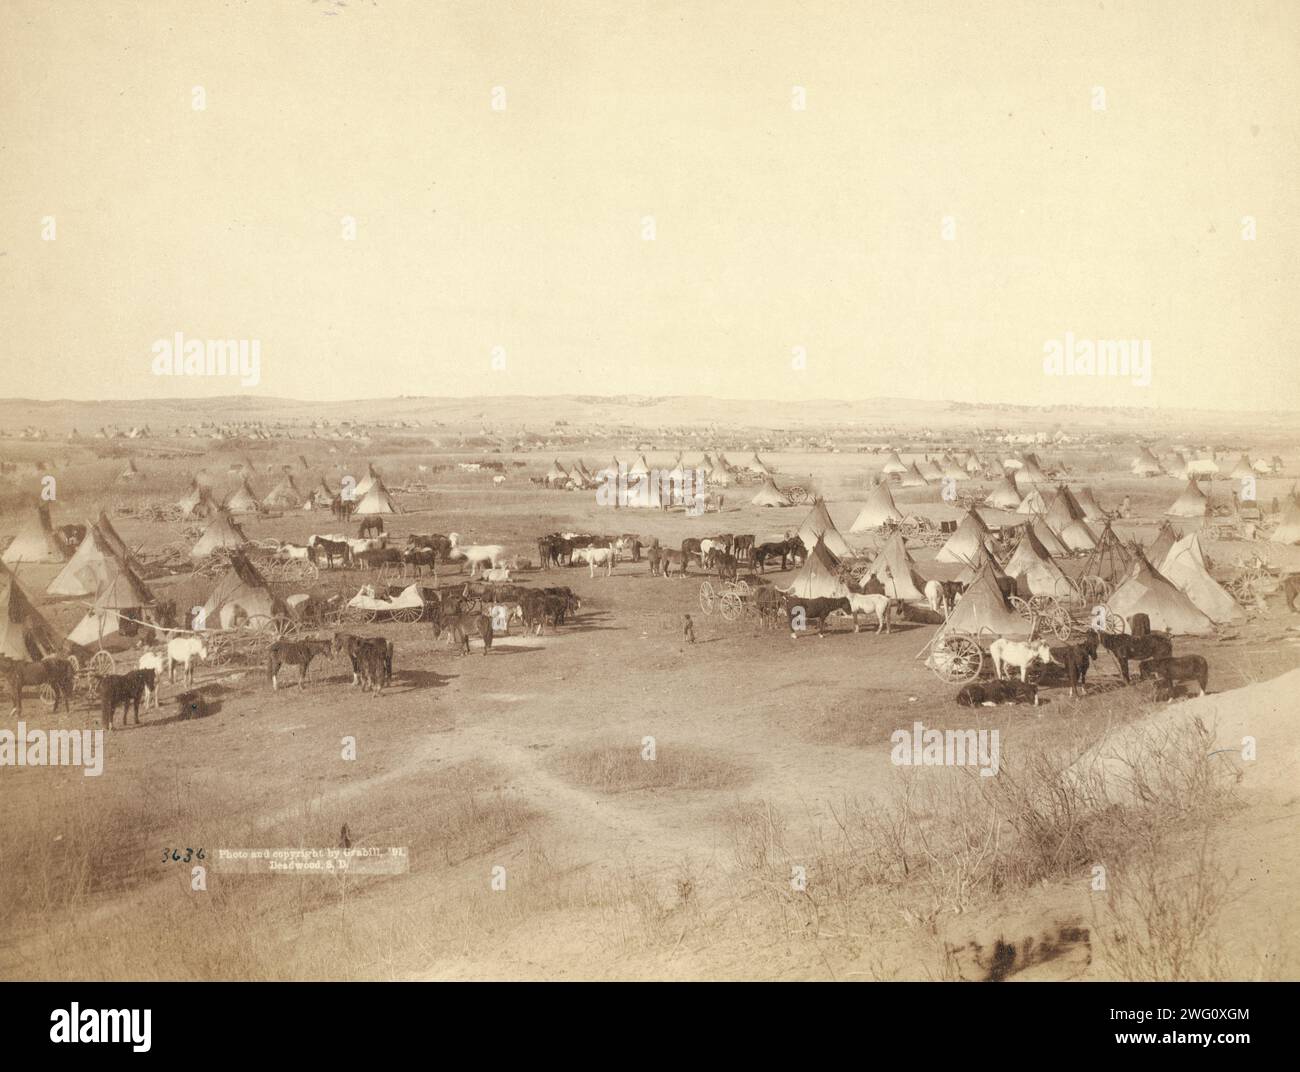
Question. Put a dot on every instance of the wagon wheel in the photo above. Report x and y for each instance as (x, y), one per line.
(220, 648)
(333, 616)
(797, 494)
(1114, 623)
(1095, 589)
(407, 615)
(1024, 608)
(858, 570)
(741, 588)
(909, 526)
(307, 571)
(1060, 623)
(731, 606)
(1044, 605)
(706, 597)
(48, 696)
(101, 664)
(957, 659)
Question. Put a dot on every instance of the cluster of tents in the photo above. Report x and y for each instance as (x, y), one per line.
(709, 471)
(1177, 592)
(1181, 464)
(370, 496)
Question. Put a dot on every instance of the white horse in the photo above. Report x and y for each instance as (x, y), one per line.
(182, 650)
(155, 661)
(934, 596)
(873, 604)
(1014, 653)
(477, 555)
(600, 556)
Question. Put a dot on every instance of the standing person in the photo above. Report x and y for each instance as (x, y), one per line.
(688, 629)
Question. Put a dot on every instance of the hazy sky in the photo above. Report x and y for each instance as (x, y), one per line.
(774, 227)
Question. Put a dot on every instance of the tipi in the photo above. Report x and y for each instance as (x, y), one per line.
(35, 542)
(818, 526)
(222, 532)
(24, 634)
(963, 545)
(894, 568)
(877, 510)
(819, 576)
(1184, 566)
(770, 495)
(1145, 591)
(1191, 503)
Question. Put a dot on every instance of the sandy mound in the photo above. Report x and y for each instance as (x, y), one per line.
(1259, 717)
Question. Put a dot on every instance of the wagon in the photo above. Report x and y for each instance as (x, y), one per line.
(958, 657)
(405, 605)
(746, 597)
(1068, 617)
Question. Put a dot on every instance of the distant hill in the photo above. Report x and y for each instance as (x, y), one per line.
(512, 413)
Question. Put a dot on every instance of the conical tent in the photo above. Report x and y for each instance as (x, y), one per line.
(983, 611)
(1077, 536)
(819, 576)
(1145, 591)
(1064, 509)
(1165, 539)
(964, 544)
(115, 542)
(929, 471)
(1033, 503)
(366, 483)
(222, 532)
(877, 510)
(1146, 463)
(323, 496)
(1092, 510)
(1031, 561)
(1004, 495)
(123, 595)
(1191, 503)
(1184, 567)
(640, 467)
(1288, 529)
(1242, 469)
(240, 594)
(284, 495)
(770, 495)
(952, 471)
(912, 478)
(893, 464)
(982, 560)
(25, 635)
(197, 502)
(242, 500)
(35, 542)
(1043, 532)
(1031, 473)
(818, 526)
(88, 570)
(894, 568)
(376, 501)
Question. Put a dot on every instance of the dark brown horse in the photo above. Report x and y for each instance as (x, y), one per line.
(56, 671)
(297, 653)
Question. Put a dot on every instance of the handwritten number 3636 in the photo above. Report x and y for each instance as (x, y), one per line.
(175, 855)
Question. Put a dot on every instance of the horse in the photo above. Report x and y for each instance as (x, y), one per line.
(477, 555)
(1125, 647)
(418, 558)
(373, 525)
(942, 596)
(155, 661)
(1076, 659)
(668, 558)
(434, 541)
(458, 628)
(991, 693)
(817, 609)
(355, 645)
(322, 548)
(124, 689)
(297, 653)
(377, 557)
(1017, 654)
(742, 547)
(342, 508)
(725, 564)
(57, 671)
(879, 605)
(600, 556)
(1169, 671)
(183, 650)
(786, 549)
(1291, 589)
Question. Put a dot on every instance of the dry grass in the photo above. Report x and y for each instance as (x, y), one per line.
(622, 769)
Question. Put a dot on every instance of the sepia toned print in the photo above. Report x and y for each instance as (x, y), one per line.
(648, 491)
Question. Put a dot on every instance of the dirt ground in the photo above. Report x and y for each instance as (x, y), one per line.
(531, 760)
